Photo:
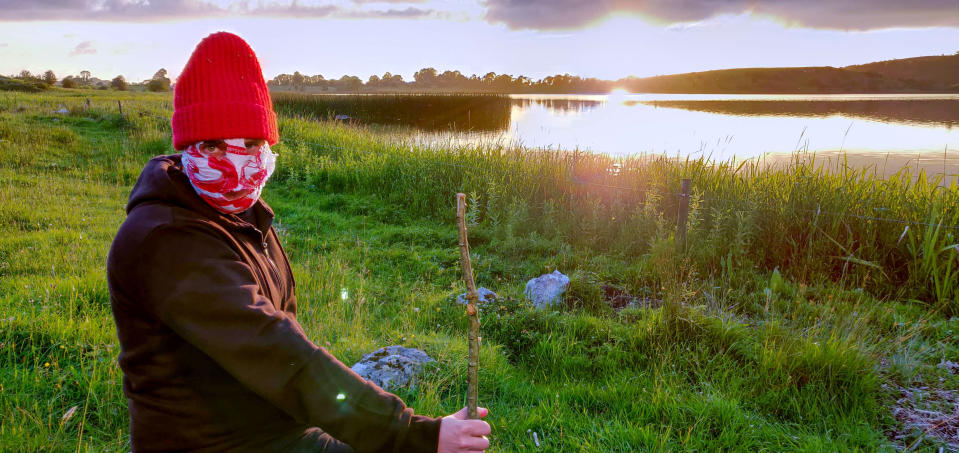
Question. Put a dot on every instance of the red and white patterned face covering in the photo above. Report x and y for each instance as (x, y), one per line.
(230, 180)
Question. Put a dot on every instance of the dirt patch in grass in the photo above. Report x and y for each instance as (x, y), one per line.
(618, 299)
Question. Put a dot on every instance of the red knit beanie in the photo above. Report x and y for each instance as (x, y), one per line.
(221, 94)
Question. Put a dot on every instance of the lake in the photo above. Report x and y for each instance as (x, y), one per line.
(882, 132)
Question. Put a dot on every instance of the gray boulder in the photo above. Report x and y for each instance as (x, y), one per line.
(392, 366)
(546, 289)
(485, 296)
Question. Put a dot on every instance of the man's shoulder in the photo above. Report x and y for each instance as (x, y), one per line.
(147, 219)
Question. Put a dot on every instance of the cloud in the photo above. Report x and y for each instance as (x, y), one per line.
(158, 10)
(104, 9)
(293, 9)
(296, 9)
(867, 14)
(546, 14)
(408, 13)
(829, 14)
(387, 1)
(84, 48)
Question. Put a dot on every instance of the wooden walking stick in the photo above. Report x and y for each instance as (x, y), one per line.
(472, 373)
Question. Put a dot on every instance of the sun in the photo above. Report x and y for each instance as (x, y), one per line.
(617, 95)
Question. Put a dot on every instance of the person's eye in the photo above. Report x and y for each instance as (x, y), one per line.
(210, 147)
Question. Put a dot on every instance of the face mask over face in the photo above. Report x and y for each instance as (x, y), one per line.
(230, 177)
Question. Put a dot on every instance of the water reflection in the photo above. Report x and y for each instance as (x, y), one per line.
(560, 104)
(885, 165)
(883, 132)
(928, 112)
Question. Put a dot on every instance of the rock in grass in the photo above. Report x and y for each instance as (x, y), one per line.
(485, 296)
(392, 366)
(951, 367)
(546, 289)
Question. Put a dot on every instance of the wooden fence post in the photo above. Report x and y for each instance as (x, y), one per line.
(120, 106)
(683, 215)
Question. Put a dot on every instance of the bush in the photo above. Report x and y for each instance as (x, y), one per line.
(49, 78)
(161, 84)
(585, 292)
(29, 86)
(119, 82)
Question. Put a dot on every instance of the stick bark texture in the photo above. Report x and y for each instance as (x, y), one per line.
(472, 378)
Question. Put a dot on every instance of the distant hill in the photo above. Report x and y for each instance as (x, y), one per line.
(941, 71)
(938, 74)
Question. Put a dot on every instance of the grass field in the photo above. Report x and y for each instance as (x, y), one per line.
(792, 323)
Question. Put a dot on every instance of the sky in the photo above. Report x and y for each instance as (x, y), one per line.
(607, 39)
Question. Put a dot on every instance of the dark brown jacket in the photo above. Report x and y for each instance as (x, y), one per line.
(212, 355)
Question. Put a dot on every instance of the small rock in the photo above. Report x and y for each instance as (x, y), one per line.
(485, 296)
(949, 366)
(546, 289)
(392, 366)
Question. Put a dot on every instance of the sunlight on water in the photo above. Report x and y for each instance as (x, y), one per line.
(886, 132)
(690, 130)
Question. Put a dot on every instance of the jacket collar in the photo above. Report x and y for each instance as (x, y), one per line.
(163, 180)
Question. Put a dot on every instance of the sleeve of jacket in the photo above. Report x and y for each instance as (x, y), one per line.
(193, 281)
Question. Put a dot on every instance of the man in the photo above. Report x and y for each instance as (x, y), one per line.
(204, 298)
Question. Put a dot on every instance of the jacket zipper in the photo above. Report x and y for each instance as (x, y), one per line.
(273, 268)
(286, 262)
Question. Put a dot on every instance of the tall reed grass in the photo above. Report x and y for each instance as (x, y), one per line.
(432, 112)
(895, 237)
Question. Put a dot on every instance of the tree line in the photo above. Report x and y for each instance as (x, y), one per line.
(429, 79)
(426, 79)
(920, 74)
(159, 81)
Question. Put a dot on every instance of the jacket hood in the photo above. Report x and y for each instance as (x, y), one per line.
(163, 181)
